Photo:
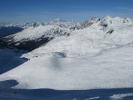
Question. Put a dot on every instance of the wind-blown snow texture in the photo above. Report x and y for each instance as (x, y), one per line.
(94, 54)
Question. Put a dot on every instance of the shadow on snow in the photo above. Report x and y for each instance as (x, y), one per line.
(7, 93)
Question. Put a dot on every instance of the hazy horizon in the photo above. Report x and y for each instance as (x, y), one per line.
(17, 11)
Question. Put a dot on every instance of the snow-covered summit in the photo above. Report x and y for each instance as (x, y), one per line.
(38, 33)
(97, 54)
(92, 39)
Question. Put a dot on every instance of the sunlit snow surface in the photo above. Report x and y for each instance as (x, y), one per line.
(108, 69)
(90, 58)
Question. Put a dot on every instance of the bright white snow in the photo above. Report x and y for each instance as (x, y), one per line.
(37, 32)
(89, 58)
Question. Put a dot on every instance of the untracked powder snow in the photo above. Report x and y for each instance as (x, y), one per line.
(97, 56)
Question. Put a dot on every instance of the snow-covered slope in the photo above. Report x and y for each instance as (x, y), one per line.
(34, 36)
(96, 56)
(109, 69)
(91, 40)
(38, 32)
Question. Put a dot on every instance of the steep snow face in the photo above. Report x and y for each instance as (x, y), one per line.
(33, 37)
(33, 33)
(96, 56)
(37, 31)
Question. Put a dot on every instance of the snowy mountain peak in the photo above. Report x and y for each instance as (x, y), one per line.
(74, 56)
(116, 21)
(107, 21)
(37, 33)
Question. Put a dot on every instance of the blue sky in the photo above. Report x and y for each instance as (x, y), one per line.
(18, 11)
